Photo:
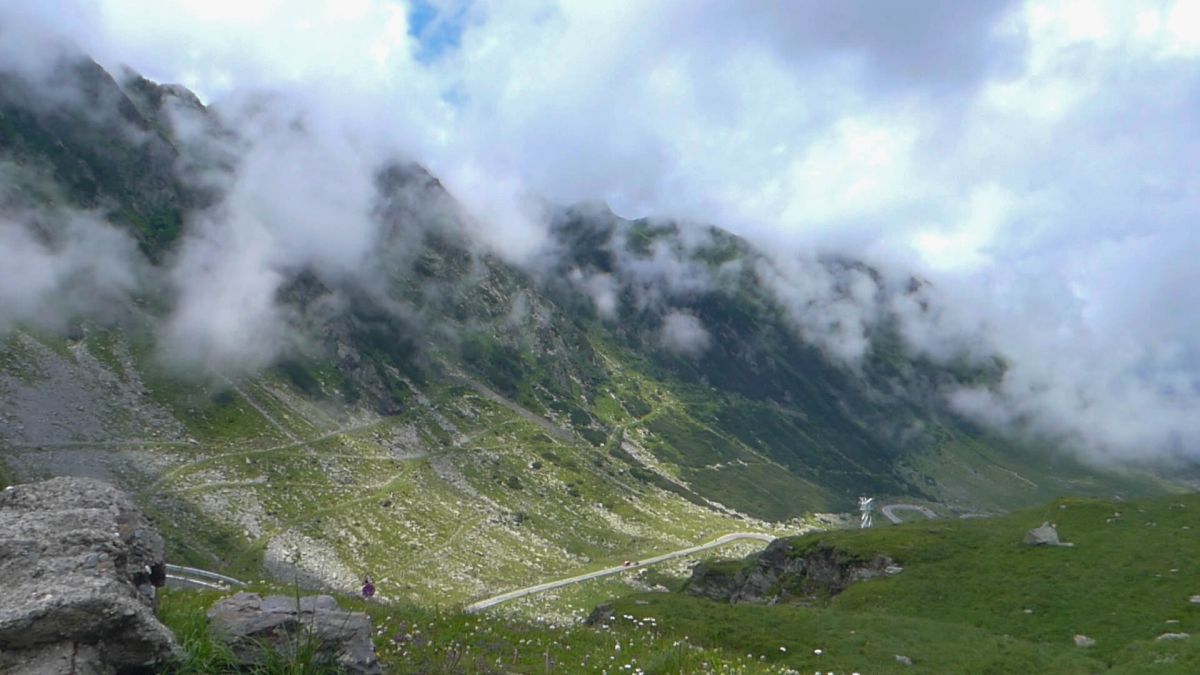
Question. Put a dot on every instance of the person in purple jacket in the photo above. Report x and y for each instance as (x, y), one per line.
(368, 589)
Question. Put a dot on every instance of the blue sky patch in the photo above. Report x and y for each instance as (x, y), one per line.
(437, 32)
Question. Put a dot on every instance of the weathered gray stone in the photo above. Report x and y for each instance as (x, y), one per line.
(1046, 535)
(60, 658)
(1084, 641)
(782, 573)
(903, 660)
(252, 625)
(1173, 636)
(80, 564)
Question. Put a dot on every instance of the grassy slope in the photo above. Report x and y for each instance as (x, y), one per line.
(972, 598)
(413, 639)
(528, 506)
(506, 505)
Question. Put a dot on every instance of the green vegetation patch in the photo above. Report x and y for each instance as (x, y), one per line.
(813, 639)
(1125, 580)
(412, 639)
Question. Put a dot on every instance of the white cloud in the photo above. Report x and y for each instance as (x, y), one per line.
(302, 196)
(684, 334)
(1034, 160)
(61, 265)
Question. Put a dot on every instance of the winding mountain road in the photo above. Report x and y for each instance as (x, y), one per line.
(889, 511)
(551, 585)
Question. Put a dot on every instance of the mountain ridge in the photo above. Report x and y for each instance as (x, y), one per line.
(412, 405)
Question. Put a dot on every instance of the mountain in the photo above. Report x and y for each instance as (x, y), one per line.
(642, 386)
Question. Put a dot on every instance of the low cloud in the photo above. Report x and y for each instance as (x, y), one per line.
(832, 305)
(300, 195)
(684, 334)
(1033, 161)
(62, 265)
(601, 288)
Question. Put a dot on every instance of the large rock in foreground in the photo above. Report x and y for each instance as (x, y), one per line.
(80, 563)
(253, 626)
(784, 572)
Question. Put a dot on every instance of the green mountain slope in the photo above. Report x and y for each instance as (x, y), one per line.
(452, 411)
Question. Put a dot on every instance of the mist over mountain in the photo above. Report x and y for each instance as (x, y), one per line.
(1035, 191)
(474, 314)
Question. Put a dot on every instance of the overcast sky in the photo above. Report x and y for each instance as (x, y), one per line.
(1037, 161)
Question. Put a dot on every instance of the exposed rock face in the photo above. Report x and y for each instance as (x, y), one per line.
(251, 624)
(80, 565)
(782, 572)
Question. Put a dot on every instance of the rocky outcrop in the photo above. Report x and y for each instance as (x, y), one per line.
(784, 572)
(80, 564)
(255, 626)
(1045, 535)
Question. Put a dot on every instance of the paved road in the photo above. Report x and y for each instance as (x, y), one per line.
(550, 585)
(889, 511)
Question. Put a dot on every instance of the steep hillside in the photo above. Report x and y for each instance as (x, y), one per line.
(643, 387)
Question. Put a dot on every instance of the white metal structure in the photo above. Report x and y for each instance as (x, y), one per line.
(865, 505)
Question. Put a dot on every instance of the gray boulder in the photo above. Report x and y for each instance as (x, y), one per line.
(253, 626)
(80, 564)
(784, 573)
(1046, 535)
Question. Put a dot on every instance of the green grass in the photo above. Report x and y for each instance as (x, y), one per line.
(212, 413)
(789, 635)
(414, 639)
(973, 598)
(102, 344)
(183, 611)
(1115, 585)
(576, 509)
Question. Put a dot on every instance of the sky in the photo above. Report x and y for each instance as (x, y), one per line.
(1034, 161)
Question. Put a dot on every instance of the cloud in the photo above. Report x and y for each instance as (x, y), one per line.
(684, 334)
(601, 287)
(59, 266)
(300, 196)
(1032, 160)
(33, 34)
(830, 304)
